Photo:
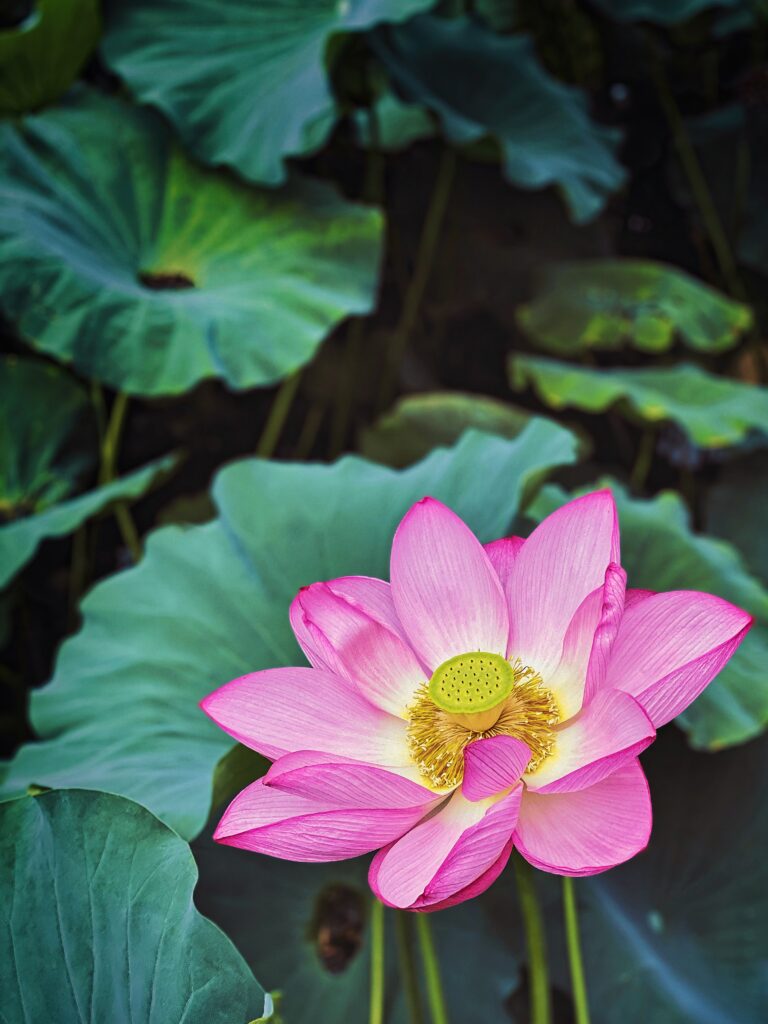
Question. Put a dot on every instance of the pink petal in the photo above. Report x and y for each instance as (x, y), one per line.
(445, 853)
(356, 646)
(590, 830)
(560, 564)
(671, 645)
(476, 888)
(284, 709)
(368, 594)
(492, 765)
(634, 596)
(286, 824)
(342, 782)
(445, 590)
(588, 642)
(611, 730)
(502, 554)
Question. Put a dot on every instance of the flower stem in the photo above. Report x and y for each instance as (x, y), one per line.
(435, 996)
(578, 983)
(376, 1015)
(541, 1007)
(404, 932)
(643, 460)
(696, 179)
(278, 414)
(110, 446)
(430, 236)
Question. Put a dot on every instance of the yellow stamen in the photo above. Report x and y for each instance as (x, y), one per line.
(453, 711)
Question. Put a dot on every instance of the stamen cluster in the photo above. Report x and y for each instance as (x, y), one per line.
(437, 738)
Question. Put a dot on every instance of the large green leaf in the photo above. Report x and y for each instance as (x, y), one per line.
(98, 922)
(316, 952)
(41, 57)
(679, 934)
(149, 273)
(41, 408)
(211, 602)
(481, 84)
(660, 552)
(608, 303)
(419, 423)
(244, 82)
(714, 412)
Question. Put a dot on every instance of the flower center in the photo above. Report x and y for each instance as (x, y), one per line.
(471, 697)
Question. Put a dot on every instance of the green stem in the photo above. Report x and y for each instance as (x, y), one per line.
(278, 414)
(404, 932)
(376, 1015)
(373, 192)
(425, 256)
(110, 446)
(578, 983)
(309, 431)
(643, 459)
(431, 967)
(696, 179)
(541, 1007)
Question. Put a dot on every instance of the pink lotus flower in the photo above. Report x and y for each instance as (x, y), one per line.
(487, 698)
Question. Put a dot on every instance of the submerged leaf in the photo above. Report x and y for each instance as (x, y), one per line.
(660, 551)
(609, 303)
(120, 255)
(209, 603)
(98, 922)
(244, 83)
(714, 412)
(484, 85)
(661, 12)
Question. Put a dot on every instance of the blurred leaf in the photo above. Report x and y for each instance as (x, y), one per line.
(661, 12)
(316, 952)
(714, 412)
(482, 84)
(149, 273)
(40, 408)
(419, 423)
(501, 15)
(41, 57)
(20, 538)
(609, 303)
(660, 552)
(98, 922)
(736, 509)
(243, 82)
(209, 603)
(398, 124)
